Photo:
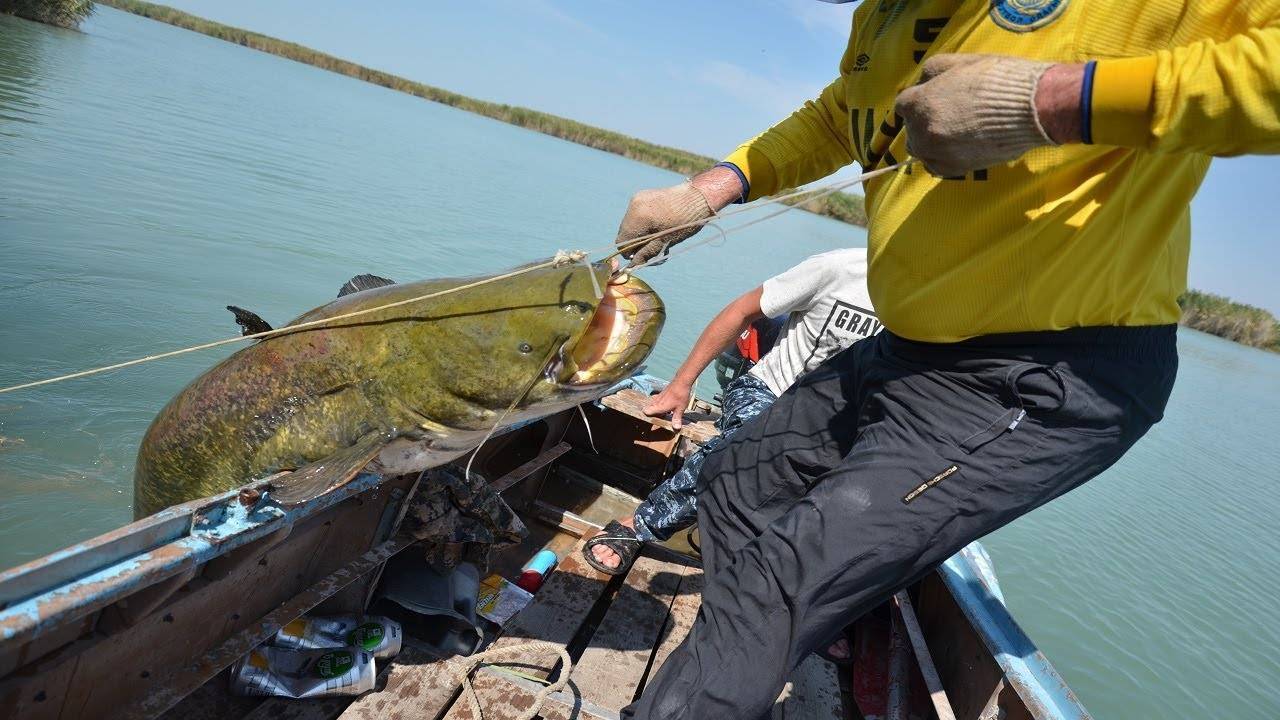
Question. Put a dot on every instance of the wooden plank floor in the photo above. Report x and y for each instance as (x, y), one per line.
(618, 630)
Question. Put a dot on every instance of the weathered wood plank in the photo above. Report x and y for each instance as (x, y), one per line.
(503, 696)
(213, 701)
(288, 709)
(684, 609)
(415, 684)
(615, 660)
(555, 616)
(190, 676)
(812, 693)
(631, 402)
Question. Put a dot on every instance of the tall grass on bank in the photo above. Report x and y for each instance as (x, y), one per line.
(846, 207)
(63, 13)
(1221, 316)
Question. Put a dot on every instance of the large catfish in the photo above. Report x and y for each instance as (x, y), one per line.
(412, 386)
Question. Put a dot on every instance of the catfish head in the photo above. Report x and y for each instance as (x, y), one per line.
(538, 342)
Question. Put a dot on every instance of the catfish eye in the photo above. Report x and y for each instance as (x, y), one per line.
(574, 306)
(526, 348)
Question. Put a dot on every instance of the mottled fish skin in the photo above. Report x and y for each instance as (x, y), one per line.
(440, 370)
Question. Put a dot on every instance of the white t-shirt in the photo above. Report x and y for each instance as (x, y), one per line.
(830, 309)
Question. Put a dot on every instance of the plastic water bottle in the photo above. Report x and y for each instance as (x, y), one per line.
(533, 575)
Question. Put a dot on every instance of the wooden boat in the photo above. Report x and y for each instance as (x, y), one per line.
(145, 621)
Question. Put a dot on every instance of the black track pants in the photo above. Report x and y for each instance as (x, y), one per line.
(876, 467)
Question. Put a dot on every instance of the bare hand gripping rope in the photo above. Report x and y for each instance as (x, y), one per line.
(562, 258)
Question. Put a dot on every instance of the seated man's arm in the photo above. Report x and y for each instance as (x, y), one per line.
(719, 333)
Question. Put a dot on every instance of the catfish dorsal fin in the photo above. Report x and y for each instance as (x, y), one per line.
(249, 322)
(364, 282)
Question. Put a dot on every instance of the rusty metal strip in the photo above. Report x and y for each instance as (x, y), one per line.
(932, 682)
(545, 458)
(218, 526)
(183, 681)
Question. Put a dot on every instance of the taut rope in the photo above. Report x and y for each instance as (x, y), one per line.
(563, 257)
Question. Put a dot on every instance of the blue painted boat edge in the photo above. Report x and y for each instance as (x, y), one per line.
(971, 579)
(218, 525)
(71, 583)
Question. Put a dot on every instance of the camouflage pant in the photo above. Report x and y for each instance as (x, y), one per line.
(673, 505)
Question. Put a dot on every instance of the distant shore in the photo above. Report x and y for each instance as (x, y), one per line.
(1209, 313)
(845, 207)
(62, 13)
(1221, 316)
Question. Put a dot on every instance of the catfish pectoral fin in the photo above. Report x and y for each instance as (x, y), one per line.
(249, 322)
(363, 282)
(317, 478)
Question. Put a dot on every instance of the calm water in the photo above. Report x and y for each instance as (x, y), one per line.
(150, 176)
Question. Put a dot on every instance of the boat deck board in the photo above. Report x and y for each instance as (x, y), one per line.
(619, 631)
(615, 661)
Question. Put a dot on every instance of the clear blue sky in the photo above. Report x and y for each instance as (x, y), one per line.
(699, 75)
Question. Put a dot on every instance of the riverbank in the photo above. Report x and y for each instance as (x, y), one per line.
(62, 13)
(1221, 316)
(845, 207)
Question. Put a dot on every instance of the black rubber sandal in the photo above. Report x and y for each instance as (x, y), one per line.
(618, 538)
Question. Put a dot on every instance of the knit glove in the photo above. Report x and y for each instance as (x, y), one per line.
(973, 111)
(653, 211)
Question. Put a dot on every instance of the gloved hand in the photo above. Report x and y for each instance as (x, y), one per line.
(973, 111)
(653, 211)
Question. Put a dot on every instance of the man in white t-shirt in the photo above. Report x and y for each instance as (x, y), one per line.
(828, 309)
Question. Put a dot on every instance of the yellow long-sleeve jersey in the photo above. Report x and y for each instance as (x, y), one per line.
(1071, 236)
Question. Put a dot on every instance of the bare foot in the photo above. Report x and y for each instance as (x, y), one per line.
(840, 649)
(606, 556)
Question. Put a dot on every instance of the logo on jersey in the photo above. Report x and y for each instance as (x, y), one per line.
(1026, 15)
(860, 63)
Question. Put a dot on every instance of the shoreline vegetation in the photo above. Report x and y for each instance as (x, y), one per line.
(1218, 315)
(1213, 314)
(62, 13)
(845, 207)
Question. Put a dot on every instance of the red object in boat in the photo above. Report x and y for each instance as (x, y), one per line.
(530, 580)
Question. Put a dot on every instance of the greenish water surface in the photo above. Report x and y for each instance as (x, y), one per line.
(149, 176)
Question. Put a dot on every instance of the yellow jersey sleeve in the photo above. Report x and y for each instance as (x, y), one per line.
(809, 145)
(1209, 97)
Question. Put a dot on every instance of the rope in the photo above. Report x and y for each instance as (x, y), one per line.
(590, 440)
(475, 661)
(559, 260)
(820, 190)
(546, 362)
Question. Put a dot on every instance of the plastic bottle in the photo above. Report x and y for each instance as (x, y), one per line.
(533, 575)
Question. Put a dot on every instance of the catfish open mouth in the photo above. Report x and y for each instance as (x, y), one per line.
(621, 334)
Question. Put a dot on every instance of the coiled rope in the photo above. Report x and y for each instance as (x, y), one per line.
(562, 258)
(475, 661)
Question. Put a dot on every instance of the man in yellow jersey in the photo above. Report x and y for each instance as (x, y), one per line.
(1026, 271)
